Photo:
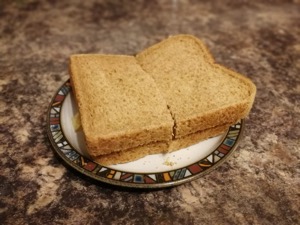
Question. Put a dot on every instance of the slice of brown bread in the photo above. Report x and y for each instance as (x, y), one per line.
(200, 93)
(159, 147)
(120, 105)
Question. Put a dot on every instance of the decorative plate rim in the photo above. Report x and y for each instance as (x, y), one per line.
(145, 180)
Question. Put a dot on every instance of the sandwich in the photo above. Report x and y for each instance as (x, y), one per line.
(169, 96)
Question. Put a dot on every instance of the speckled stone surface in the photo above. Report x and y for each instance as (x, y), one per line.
(259, 184)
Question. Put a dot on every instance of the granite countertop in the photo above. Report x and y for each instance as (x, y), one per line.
(259, 184)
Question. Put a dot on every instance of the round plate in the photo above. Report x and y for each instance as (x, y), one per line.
(153, 171)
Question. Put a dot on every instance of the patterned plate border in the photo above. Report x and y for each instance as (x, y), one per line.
(136, 180)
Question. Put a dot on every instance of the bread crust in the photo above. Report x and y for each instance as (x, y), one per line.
(104, 145)
(159, 147)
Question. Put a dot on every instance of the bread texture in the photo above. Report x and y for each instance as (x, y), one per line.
(200, 93)
(120, 105)
(159, 147)
(167, 97)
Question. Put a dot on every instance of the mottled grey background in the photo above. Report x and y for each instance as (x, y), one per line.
(260, 184)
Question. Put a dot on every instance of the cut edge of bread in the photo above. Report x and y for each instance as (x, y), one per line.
(159, 147)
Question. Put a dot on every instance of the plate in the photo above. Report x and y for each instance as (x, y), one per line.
(153, 171)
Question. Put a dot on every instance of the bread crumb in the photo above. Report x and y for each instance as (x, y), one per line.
(167, 162)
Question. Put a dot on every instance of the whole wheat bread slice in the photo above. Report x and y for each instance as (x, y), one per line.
(200, 93)
(120, 106)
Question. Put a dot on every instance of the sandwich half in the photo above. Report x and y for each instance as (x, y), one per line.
(119, 104)
(200, 93)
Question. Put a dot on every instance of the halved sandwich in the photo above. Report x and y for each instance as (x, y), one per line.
(172, 95)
